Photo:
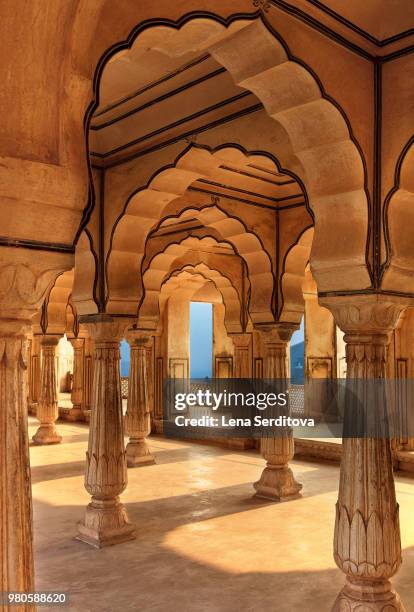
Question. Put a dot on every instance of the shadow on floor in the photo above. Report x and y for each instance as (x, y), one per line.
(149, 574)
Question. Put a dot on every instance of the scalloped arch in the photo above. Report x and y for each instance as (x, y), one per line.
(189, 280)
(318, 131)
(144, 213)
(175, 259)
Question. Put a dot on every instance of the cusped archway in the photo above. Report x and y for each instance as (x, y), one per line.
(332, 168)
(179, 266)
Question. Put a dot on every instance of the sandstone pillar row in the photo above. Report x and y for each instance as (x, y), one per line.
(367, 546)
(47, 410)
(277, 481)
(138, 415)
(106, 520)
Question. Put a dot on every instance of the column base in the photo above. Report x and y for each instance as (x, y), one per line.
(74, 414)
(277, 484)
(105, 524)
(46, 434)
(32, 408)
(138, 453)
(86, 416)
(368, 596)
(240, 443)
(158, 426)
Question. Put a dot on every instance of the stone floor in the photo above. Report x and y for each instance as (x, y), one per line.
(203, 543)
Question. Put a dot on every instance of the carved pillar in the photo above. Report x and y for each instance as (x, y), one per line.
(138, 415)
(22, 290)
(150, 375)
(277, 481)
(87, 378)
(47, 410)
(16, 558)
(242, 367)
(75, 413)
(367, 544)
(241, 359)
(34, 375)
(106, 521)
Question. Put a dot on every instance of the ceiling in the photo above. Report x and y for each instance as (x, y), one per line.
(379, 19)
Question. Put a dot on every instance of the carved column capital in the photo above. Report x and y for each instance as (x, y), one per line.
(137, 337)
(105, 328)
(23, 286)
(241, 341)
(49, 341)
(77, 343)
(276, 333)
(366, 314)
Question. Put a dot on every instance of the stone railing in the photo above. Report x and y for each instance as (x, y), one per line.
(124, 386)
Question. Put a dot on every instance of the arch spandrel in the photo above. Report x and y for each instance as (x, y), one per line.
(399, 216)
(58, 313)
(84, 281)
(293, 277)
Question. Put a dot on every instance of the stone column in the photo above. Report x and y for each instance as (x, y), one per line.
(241, 369)
(367, 545)
(47, 410)
(150, 376)
(16, 558)
(241, 360)
(138, 415)
(75, 413)
(106, 520)
(87, 378)
(22, 289)
(34, 378)
(277, 481)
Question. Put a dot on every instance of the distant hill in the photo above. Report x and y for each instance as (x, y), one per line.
(297, 363)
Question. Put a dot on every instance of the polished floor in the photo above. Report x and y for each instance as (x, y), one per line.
(203, 543)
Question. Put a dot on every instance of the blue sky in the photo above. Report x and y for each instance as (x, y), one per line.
(298, 336)
(201, 339)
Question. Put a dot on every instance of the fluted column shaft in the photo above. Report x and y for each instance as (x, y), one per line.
(16, 557)
(34, 370)
(77, 381)
(367, 544)
(242, 366)
(277, 481)
(106, 521)
(47, 411)
(138, 415)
